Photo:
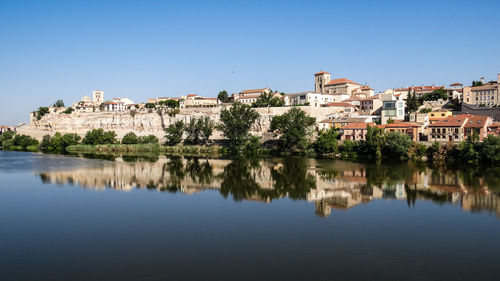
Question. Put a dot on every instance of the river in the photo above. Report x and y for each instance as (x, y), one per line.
(185, 218)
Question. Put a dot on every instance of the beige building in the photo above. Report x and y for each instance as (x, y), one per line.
(250, 96)
(197, 101)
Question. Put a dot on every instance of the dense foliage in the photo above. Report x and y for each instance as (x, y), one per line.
(58, 142)
(169, 103)
(58, 103)
(199, 130)
(174, 133)
(327, 142)
(41, 112)
(223, 96)
(99, 136)
(11, 140)
(292, 128)
(267, 99)
(235, 124)
(436, 95)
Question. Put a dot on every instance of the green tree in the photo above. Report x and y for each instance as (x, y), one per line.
(99, 136)
(292, 128)
(411, 102)
(174, 133)
(373, 143)
(59, 103)
(477, 83)
(223, 96)
(440, 93)
(235, 124)
(130, 138)
(327, 142)
(149, 139)
(490, 149)
(397, 145)
(170, 103)
(41, 112)
(267, 99)
(206, 128)
(150, 105)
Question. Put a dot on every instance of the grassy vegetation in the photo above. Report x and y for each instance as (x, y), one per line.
(114, 148)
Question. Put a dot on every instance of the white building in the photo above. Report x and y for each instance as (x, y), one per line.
(314, 99)
(393, 107)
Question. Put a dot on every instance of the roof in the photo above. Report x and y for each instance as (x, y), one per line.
(494, 125)
(366, 88)
(451, 121)
(485, 87)
(341, 81)
(403, 125)
(322, 72)
(191, 96)
(251, 91)
(456, 84)
(342, 104)
(476, 121)
(358, 125)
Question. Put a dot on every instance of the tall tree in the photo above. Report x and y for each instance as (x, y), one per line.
(292, 128)
(59, 103)
(174, 133)
(223, 96)
(235, 124)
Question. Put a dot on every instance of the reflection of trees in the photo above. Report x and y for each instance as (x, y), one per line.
(175, 169)
(237, 180)
(199, 173)
(293, 178)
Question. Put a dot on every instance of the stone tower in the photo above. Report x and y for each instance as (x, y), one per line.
(97, 97)
(320, 80)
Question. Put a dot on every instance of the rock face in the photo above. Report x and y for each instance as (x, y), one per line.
(146, 123)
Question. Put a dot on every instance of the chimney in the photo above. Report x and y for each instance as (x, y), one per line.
(498, 78)
(482, 80)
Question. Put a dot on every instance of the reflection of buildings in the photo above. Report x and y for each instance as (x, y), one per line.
(331, 185)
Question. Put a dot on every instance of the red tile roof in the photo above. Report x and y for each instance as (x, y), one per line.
(339, 104)
(456, 84)
(358, 125)
(251, 91)
(476, 121)
(322, 72)
(403, 125)
(341, 81)
(451, 121)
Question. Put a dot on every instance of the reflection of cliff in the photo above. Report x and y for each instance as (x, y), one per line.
(331, 185)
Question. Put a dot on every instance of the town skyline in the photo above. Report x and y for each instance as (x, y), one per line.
(58, 50)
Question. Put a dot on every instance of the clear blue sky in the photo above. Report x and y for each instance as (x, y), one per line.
(140, 49)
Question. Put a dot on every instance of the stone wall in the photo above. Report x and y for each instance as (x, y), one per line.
(145, 123)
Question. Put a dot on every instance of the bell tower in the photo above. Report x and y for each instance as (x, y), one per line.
(320, 80)
(97, 97)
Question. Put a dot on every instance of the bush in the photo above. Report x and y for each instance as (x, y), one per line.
(68, 110)
(10, 140)
(99, 136)
(130, 138)
(58, 142)
(151, 139)
(397, 145)
(41, 112)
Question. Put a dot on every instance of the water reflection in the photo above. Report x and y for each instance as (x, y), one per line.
(328, 184)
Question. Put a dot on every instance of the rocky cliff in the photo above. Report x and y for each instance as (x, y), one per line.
(145, 122)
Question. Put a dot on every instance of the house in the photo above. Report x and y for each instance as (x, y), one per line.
(250, 96)
(420, 118)
(190, 101)
(355, 131)
(494, 129)
(370, 105)
(393, 107)
(340, 122)
(4, 129)
(414, 130)
(314, 99)
(343, 107)
(117, 105)
(458, 127)
(477, 125)
(438, 115)
(485, 95)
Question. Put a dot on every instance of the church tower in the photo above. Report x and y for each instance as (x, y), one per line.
(320, 80)
(97, 97)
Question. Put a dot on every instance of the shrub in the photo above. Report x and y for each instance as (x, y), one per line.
(151, 139)
(99, 136)
(130, 138)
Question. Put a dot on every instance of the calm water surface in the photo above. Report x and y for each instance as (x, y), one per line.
(174, 218)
